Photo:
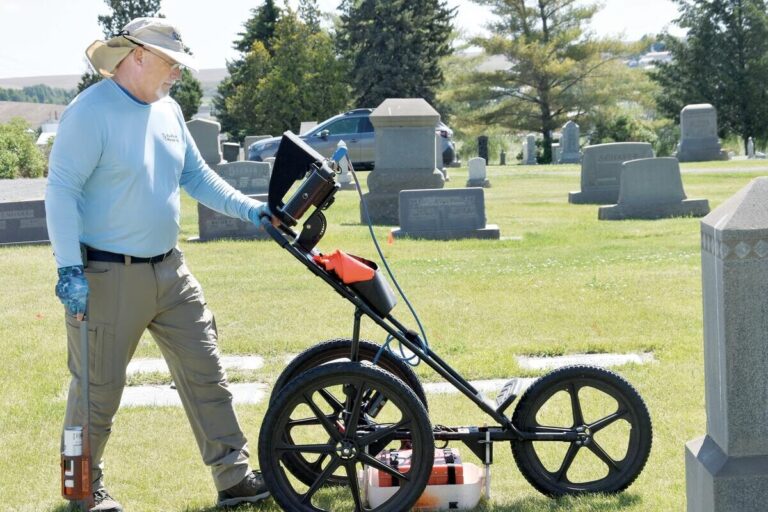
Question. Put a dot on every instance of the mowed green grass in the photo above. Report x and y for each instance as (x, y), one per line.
(559, 282)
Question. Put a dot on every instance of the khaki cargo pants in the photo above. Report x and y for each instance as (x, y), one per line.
(165, 298)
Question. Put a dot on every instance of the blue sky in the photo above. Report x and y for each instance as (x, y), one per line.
(48, 37)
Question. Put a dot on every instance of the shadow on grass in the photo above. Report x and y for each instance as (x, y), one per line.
(594, 503)
(604, 503)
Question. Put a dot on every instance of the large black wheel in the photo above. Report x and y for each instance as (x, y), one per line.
(308, 469)
(339, 350)
(610, 419)
(324, 410)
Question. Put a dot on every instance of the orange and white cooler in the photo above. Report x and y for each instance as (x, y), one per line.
(453, 485)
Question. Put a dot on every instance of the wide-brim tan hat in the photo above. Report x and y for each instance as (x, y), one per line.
(157, 34)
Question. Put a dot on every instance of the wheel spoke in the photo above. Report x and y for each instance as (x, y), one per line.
(595, 448)
(602, 423)
(332, 430)
(382, 433)
(321, 479)
(570, 455)
(354, 488)
(357, 405)
(375, 463)
(306, 448)
(305, 422)
(578, 417)
(331, 400)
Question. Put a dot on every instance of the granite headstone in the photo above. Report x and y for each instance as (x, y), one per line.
(652, 188)
(477, 173)
(22, 211)
(250, 178)
(445, 214)
(698, 134)
(482, 147)
(569, 144)
(601, 171)
(231, 151)
(206, 136)
(529, 150)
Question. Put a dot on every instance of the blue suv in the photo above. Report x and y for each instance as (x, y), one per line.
(355, 129)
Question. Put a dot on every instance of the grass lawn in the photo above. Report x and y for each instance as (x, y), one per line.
(570, 285)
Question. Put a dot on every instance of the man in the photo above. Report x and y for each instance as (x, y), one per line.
(120, 155)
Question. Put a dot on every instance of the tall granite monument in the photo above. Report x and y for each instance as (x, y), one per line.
(405, 156)
(727, 469)
(698, 134)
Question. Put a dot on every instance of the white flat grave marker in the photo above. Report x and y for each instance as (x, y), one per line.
(146, 365)
(603, 360)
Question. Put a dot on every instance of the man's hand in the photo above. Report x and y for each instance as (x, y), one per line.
(258, 212)
(72, 290)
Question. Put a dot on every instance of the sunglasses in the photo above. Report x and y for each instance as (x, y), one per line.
(175, 66)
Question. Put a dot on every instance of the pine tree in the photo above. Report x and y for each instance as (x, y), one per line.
(393, 47)
(723, 62)
(259, 28)
(310, 14)
(554, 65)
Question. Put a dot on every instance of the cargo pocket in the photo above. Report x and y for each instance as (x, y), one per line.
(101, 351)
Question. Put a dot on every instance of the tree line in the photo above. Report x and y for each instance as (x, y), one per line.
(38, 94)
(294, 65)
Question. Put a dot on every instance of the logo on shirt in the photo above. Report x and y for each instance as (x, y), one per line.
(170, 137)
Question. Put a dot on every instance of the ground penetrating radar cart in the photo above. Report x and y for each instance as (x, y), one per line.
(342, 408)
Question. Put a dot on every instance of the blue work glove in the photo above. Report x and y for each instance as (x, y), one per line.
(72, 289)
(256, 213)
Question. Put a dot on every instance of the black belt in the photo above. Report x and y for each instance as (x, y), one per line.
(96, 255)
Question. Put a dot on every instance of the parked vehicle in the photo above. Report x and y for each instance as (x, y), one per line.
(355, 129)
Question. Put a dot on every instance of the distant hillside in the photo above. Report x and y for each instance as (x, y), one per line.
(34, 113)
(209, 79)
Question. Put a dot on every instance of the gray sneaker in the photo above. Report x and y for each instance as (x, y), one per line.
(250, 490)
(103, 502)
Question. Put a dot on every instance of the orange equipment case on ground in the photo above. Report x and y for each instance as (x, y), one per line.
(446, 470)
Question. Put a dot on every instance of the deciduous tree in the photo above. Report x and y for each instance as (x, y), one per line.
(300, 81)
(259, 28)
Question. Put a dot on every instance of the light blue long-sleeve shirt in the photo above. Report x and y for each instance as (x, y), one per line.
(114, 176)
